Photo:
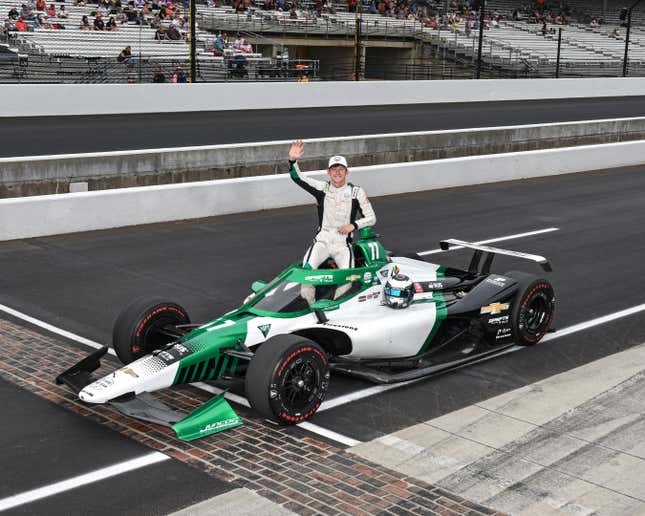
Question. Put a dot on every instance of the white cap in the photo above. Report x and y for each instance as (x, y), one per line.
(337, 160)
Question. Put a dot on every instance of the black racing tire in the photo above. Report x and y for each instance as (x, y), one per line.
(133, 334)
(287, 379)
(533, 308)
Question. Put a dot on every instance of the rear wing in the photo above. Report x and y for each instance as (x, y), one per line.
(491, 252)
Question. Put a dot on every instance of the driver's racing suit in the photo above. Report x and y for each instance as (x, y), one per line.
(336, 207)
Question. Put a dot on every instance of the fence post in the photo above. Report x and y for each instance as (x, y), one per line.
(557, 60)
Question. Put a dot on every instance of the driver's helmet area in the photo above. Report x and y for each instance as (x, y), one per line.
(398, 291)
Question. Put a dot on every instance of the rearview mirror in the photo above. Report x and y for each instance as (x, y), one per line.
(258, 285)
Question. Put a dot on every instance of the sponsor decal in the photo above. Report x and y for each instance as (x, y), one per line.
(417, 288)
(182, 350)
(500, 281)
(385, 273)
(343, 326)
(219, 425)
(353, 277)
(104, 383)
(395, 270)
(129, 371)
(264, 328)
(321, 278)
(173, 354)
(367, 277)
(502, 333)
(362, 299)
(494, 308)
(498, 321)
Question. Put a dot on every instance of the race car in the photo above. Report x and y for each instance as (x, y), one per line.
(394, 317)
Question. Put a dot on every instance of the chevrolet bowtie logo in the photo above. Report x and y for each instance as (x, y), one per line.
(494, 308)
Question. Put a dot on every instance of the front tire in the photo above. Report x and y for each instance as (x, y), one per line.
(135, 332)
(533, 309)
(287, 379)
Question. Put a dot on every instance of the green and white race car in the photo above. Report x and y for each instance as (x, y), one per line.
(283, 347)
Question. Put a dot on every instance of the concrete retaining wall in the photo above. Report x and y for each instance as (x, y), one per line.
(92, 99)
(67, 213)
(53, 174)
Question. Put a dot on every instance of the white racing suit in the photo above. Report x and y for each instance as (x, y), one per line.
(336, 208)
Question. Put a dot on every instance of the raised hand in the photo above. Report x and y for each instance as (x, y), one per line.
(297, 150)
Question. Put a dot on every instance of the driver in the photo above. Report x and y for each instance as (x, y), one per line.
(398, 291)
(342, 208)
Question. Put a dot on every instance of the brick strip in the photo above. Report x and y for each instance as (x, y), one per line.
(283, 464)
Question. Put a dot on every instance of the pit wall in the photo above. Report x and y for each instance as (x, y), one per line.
(67, 213)
(41, 175)
(96, 99)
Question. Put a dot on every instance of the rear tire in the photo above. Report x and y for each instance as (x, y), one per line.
(287, 379)
(134, 335)
(533, 308)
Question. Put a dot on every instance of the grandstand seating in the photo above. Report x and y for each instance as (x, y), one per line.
(513, 45)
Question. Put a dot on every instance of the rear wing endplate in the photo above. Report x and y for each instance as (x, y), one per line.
(492, 251)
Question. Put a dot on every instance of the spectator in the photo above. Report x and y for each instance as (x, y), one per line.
(121, 16)
(173, 34)
(26, 13)
(13, 13)
(179, 76)
(98, 22)
(21, 26)
(125, 56)
(51, 11)
(61, 12)
(41, 6)
(160, 34)
(111, 25)
(159, 76)
(85, 23)
(616, 33)
(218, 45)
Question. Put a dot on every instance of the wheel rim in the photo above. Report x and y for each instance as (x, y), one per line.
(300, 383)
(537, 314)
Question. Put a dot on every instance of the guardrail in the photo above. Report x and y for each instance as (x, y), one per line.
(68, 213)
(80, 99)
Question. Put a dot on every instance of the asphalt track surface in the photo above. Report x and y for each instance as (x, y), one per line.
(82, 134)
(80, 282)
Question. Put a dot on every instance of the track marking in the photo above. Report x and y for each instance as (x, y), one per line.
(53, 329)
(81, 480)
(202, 148)
(377, 389)
(310, 427)
(352, 396)
(240, 400)
(492, 240)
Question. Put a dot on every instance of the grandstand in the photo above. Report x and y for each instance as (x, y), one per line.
(514, 43)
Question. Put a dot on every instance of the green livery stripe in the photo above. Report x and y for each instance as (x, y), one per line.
(442, 312)
(223, 367)
(441, 272)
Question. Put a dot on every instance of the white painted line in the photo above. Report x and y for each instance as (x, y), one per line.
(201, 148)
(53, 329)
(492, 240)
(330, 434)
(594, 322)
(200, 385)
(310, 427)
(235, 398)
(377, 389)
(81, 480)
